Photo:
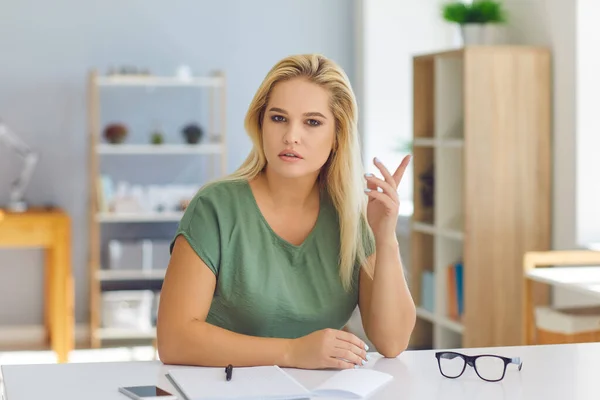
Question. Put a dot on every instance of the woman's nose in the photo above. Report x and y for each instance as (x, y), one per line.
(292, 135)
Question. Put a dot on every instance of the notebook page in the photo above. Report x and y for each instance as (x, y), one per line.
(353, 383)
(268, 382)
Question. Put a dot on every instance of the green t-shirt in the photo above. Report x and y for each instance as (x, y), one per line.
(267, 286)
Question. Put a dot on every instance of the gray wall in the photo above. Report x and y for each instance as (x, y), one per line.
(47, 52)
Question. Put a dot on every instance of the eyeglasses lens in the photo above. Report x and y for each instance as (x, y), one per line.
(490, 368)
(451, 365)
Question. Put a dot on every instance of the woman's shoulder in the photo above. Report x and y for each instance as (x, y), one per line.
(216, 200)
(221, 190)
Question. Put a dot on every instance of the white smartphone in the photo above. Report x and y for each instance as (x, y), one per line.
(146, 393)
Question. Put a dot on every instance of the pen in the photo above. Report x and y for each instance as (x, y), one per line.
(228, 372)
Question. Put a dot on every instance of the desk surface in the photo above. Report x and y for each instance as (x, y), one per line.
(549, 372)
(584, 279)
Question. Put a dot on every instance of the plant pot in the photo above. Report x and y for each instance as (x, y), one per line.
(483, 34)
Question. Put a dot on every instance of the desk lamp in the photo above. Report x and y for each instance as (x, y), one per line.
(16, 202)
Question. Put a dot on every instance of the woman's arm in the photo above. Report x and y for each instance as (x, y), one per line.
(185, 338)
(386, 306)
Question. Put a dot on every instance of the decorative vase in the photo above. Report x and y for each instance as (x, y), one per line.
(483, 34)
(115, 133)
(192, 133)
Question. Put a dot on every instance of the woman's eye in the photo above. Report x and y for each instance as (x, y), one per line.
(313, 122)
(277, 118)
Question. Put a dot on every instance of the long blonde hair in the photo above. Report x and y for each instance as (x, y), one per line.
(341, 175)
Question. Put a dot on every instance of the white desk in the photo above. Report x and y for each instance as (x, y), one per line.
(549, 372)
(585, 280)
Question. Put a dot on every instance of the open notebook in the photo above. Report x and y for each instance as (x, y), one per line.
(272, 383)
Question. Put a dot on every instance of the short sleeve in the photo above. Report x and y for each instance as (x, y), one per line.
(367, 237)
(200, 227)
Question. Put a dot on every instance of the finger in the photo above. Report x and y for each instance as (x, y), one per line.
(385, 186)
(339, 363)
(382, 197)
(384, 171)
(352, 339)
(371, 185)
(347, 346)
(349, 356)
(401, 168)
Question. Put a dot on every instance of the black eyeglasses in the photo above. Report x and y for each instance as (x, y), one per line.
(488, 367)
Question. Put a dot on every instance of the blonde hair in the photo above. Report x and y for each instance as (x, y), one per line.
(341, 175)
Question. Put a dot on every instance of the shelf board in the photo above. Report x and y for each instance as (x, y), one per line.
(165, 81)
(424, 227)
(140, 149)
(110, 217)
(116, 334)
(130, 275)
(450, 324)
(425, 314)
(440, 143)
(442, 321)
(424, 142)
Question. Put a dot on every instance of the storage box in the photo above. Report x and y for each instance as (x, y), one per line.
(128, 255)
(569, 325)
(160, 255)
(142, 254)
(127, 309)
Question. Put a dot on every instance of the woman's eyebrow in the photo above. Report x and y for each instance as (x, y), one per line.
(308, 114)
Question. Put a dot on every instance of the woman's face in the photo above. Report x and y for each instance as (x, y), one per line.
(298, 128)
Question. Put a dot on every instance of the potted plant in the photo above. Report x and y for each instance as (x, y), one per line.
(480, 22)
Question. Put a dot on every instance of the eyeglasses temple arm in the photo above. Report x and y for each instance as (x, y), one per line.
(517, 360)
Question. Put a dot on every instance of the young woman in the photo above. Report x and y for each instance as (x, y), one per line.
(269, 263)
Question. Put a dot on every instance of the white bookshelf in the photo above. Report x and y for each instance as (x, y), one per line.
(154, 81)
(158, 149)
(121, 217)
(124, 334)
(107, 275)
(212, 146)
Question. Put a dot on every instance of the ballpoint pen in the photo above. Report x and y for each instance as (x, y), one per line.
(228, 372)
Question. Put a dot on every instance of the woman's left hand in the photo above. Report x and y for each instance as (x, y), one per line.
(383, 207)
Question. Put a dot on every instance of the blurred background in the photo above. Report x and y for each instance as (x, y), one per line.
(112, 114)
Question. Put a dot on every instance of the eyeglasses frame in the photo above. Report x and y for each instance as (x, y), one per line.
(470, 360)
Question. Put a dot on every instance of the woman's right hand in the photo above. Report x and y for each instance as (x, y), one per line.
(327, 348)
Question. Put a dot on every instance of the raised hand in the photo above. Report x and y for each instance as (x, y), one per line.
(383, 206)
(327, 348)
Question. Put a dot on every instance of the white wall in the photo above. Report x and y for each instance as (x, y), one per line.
(393, 31)
(588, 123)
(551, 23)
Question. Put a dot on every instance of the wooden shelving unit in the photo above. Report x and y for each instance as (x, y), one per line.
(212, 146)
(482, 190)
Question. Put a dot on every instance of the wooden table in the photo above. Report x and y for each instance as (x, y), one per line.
(576, 270)
(51, 230)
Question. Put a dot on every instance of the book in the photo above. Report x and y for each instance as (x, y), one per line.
(272, 383)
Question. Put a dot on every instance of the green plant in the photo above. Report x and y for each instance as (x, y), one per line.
(157, 138)
(478, 12)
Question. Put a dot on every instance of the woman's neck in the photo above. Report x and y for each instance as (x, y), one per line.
(290, 192)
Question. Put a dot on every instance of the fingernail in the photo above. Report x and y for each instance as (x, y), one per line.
(367, 190)
(366, 347)
(368, 174)
(363, 362)
(356, 367)
(376, 160)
